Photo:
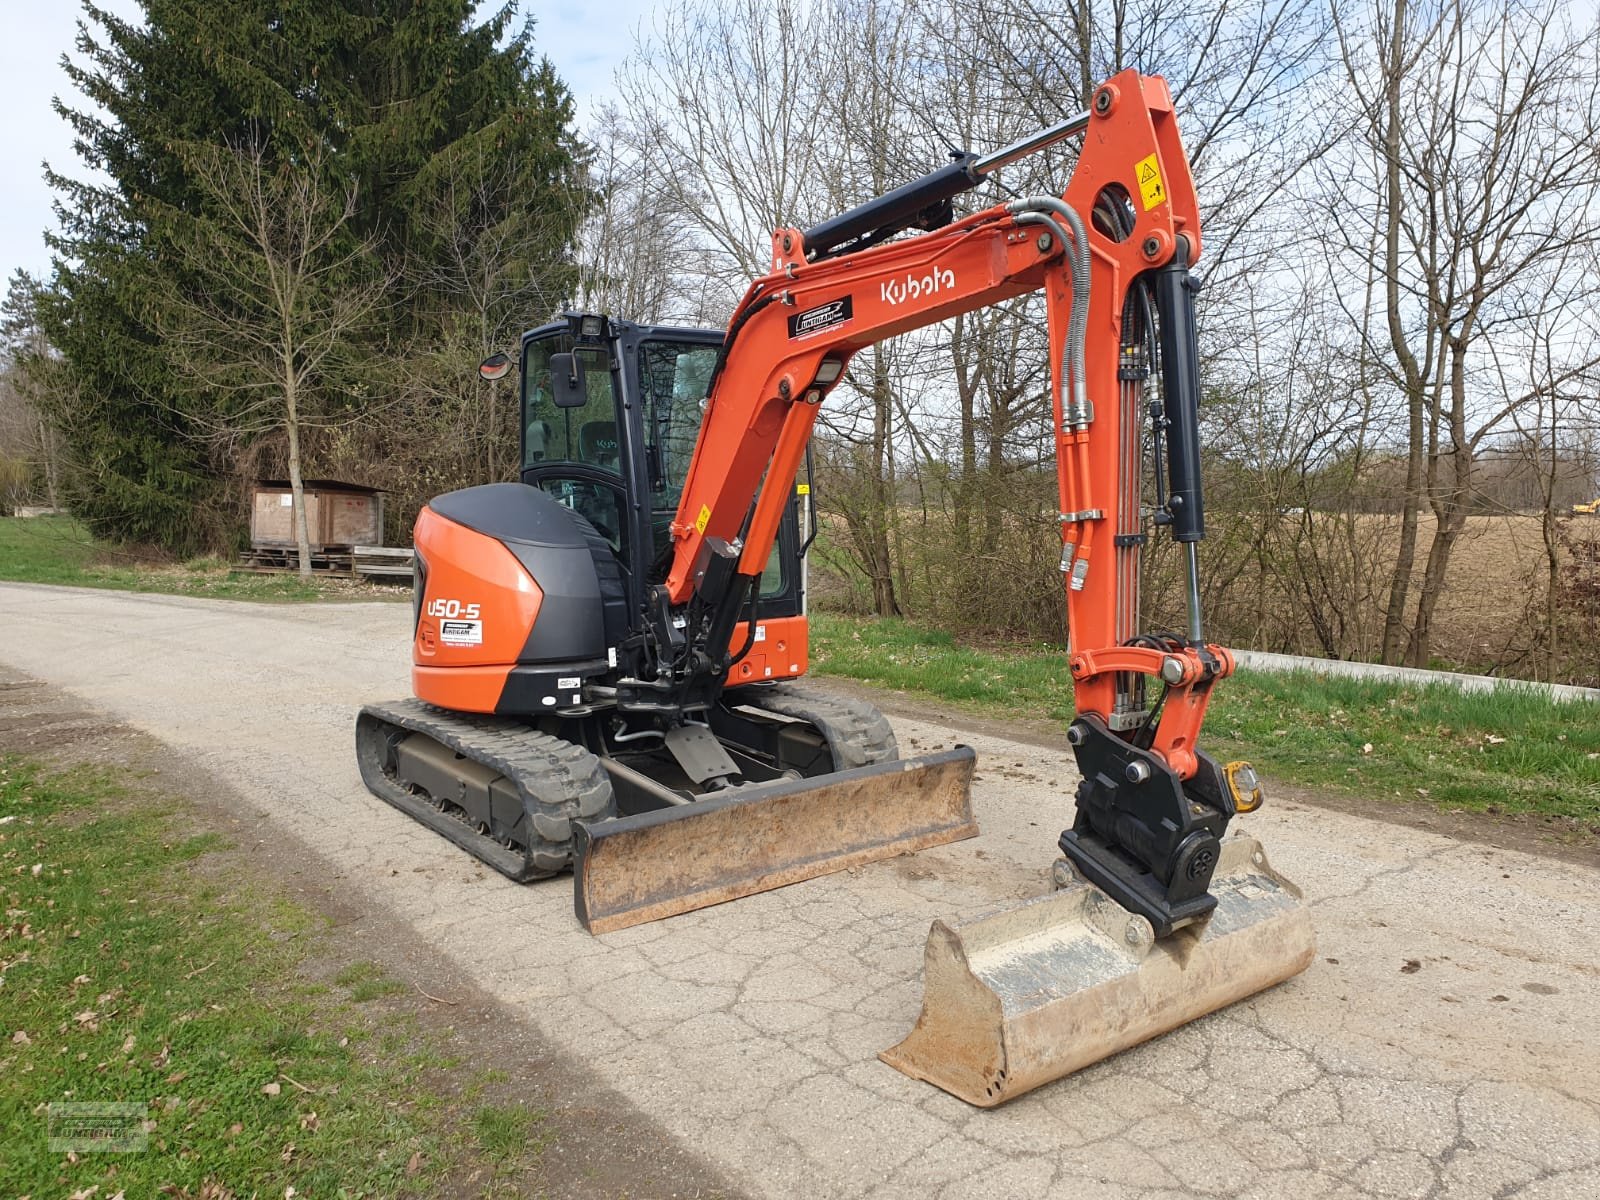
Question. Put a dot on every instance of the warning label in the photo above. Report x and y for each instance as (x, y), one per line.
(1151, 190)
(704, 519)
(461, 633)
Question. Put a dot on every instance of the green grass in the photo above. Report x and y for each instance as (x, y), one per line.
(367, 981)
(132, 971)
(503, 1132)
(59, 550)
(1506, 751)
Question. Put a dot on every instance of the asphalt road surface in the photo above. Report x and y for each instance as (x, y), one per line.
(1444, 1043)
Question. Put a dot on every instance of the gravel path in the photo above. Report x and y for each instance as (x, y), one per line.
(1444, 1043)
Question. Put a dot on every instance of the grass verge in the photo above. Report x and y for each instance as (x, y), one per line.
(139, 966)
(1505, 751)
(61, 551)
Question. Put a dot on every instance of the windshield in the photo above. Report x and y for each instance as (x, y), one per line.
(675, 377)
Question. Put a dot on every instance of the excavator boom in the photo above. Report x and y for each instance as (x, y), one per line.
(1112, 258)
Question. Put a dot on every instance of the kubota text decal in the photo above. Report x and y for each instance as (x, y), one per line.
(914, 287)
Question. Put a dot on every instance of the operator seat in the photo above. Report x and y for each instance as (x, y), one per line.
(537, 440)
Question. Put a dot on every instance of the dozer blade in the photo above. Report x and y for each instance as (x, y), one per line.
(755, 838)
(1032, 994)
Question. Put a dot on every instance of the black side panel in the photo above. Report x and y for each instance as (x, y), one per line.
(538, 689)
(571, 621)
(608, 572)
(584, 609)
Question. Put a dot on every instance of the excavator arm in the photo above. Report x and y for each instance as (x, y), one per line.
(1112, 259)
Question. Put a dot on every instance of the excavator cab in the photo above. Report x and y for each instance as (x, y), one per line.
(620, 459)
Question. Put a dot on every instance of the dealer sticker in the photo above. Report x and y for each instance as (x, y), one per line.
(824, 316)
(461, 633)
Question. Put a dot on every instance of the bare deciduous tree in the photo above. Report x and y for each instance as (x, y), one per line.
(276, 287)
(1479, 123)
(491, 274)
(31, 379)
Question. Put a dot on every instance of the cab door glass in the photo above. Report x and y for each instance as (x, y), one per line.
(563, 448)
(675, 377)
(585, 435)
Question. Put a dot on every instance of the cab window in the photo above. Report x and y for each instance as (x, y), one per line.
(585, 435)
(675, 378)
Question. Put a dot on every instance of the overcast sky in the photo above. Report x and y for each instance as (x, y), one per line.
(584, 49)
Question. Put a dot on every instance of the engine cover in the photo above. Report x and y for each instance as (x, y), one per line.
(519, 601)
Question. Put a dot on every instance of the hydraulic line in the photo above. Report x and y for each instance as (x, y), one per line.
(1077, 535)
(1078, 259)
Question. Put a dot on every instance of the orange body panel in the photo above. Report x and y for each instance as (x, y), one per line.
(478, 607)
(780, 653)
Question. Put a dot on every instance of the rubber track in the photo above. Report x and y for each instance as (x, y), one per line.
(856, 732)
(557, 781)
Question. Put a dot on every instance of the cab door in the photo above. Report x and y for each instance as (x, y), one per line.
(576, 454)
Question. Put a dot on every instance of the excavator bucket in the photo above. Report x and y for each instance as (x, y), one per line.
(762, 836)
(1034, 993)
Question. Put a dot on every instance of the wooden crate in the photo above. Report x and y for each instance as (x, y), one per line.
(342, 515)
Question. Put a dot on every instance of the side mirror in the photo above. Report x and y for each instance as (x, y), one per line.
(496, 366)
(567, 387)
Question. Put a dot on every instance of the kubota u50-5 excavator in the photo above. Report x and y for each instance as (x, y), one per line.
(604, 653)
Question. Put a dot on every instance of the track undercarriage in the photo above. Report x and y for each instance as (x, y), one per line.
(532, 798)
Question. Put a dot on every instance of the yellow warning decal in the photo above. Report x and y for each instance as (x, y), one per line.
(802, 489)
(703, 519)
(1151, 189)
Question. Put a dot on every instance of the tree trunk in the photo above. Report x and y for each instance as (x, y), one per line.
(881, 489)
(494, 430)
(47, 453)
(1394, 631)
(297, 490)
(967, 390)
(1419, 649)
(1552, 548)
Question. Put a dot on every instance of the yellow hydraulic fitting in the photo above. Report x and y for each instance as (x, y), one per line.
(1243, 786)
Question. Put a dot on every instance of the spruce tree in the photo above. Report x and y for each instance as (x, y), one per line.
(390, 96)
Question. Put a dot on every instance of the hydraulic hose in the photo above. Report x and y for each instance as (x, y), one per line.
(1031, 210)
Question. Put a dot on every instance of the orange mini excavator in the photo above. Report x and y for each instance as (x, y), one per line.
(605, 652)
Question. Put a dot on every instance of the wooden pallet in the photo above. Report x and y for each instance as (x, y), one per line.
(388, 562)
(281, 558)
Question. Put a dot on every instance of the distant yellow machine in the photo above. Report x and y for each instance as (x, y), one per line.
(1591, 509)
